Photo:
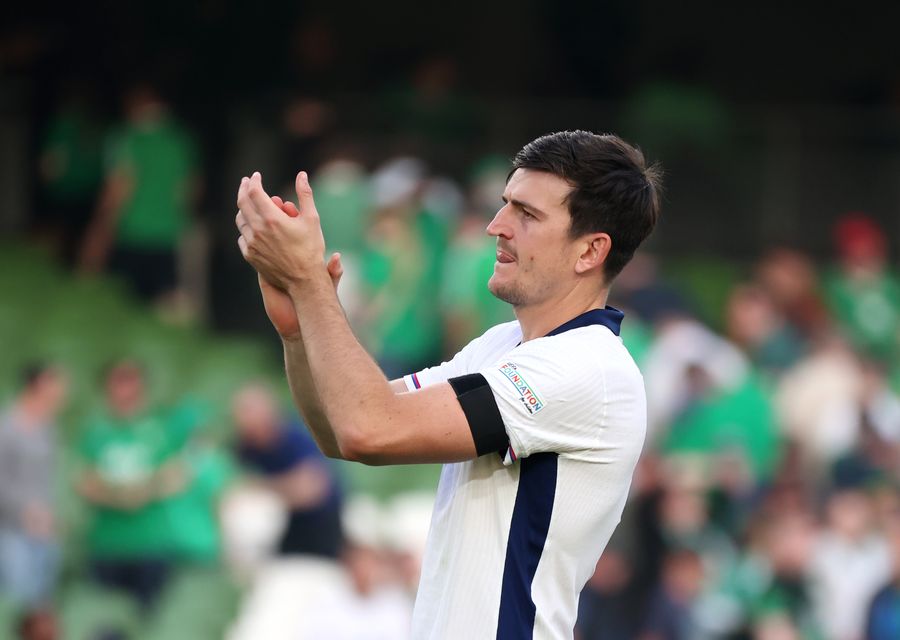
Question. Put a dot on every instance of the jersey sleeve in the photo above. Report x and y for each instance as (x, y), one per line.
(548, 402)
(458, 365)
(436, 374)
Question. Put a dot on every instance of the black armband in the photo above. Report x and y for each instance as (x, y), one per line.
(478, 403)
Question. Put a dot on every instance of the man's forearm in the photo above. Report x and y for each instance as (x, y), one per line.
(353, 393)
(306, 398)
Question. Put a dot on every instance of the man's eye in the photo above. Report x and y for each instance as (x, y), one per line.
(527, 214)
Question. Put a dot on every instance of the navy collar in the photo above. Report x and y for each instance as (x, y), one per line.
(609, 317)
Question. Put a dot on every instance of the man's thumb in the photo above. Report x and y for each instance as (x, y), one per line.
(305, 195)
(335, 268)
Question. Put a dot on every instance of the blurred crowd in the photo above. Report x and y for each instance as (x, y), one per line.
(766, 506)
(163, 498)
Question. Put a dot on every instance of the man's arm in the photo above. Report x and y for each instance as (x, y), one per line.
(280, 309)
(303, 391)
(370, 419)
(98, 238)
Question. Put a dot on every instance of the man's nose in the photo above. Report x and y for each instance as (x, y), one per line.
(498, 226)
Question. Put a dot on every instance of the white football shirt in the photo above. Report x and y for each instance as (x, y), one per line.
(558, 423)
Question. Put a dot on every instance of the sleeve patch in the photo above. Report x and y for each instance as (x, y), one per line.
(530, 399)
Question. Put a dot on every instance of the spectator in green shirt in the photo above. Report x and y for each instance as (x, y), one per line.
(193, 514)
(148, 193)
(132, 470)
(864, 294)
(402, 268)
(70, 170)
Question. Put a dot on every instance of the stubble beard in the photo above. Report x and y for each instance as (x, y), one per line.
(512, 293)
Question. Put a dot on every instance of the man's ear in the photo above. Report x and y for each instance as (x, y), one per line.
(596, 247)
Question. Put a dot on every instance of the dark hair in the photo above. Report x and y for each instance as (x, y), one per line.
(613, 189)
(32, 372)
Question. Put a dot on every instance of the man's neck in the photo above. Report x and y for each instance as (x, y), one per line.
(538, 320)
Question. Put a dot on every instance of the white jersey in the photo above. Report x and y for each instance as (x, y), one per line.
(558, 423)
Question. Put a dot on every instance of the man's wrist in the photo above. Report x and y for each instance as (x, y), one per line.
(310, 283)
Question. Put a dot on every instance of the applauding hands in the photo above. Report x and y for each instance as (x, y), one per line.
(284, 245)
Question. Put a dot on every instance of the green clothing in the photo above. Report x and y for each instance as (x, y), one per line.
(73, 143)
(343, 201)
(193, 514)
(666, 116)
(751, 589)
(159, 158)
(407, 327)
(739, 420)
(125, 453)
(868, 311)
(637, 338)
(465, 294)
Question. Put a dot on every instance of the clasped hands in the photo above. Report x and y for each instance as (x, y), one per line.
(285, 246)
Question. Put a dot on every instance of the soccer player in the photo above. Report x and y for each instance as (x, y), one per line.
(541, 420)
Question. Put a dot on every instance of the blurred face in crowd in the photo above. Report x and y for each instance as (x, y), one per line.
(365, 567)
(142, 102)
(788, 276)
(48, 392)
(125, 391)
(775, 627)
(850, 514)
(789, 543)
(255, 415)
(683, 575)
(39, 625)
(751, 315)
(612, 572)
(535, 254)
(861, 244)
(683, 511)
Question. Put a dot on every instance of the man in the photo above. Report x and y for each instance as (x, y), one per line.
(544, 417)
(146, 201)
(29, 545)
(131, 469)
(292, 467)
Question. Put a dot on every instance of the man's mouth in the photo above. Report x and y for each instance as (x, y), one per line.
(503, 257)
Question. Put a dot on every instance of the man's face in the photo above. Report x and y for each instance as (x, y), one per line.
(535, 254)
(125, 390)
(53, 386)
(255, 416)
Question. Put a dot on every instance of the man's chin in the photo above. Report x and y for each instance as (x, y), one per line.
(504, 291)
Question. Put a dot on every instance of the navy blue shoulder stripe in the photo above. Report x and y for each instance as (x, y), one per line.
(527, 535)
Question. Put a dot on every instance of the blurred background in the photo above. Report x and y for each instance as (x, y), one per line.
(155, 481)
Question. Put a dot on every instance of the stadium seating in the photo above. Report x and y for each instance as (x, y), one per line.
(84, 324)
